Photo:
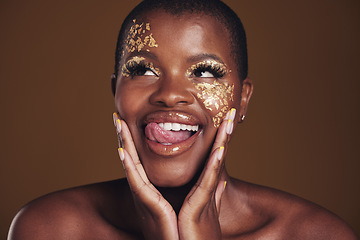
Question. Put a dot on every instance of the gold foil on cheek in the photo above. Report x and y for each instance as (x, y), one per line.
(215, 96)
(139, 37)
(134, 61)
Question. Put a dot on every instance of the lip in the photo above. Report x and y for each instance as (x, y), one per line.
(173, 117)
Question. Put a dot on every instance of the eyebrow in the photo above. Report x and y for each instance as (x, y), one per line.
(142, 54)
(204, 56)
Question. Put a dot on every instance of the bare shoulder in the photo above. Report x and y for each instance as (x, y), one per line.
(286, 216)
(69, 214)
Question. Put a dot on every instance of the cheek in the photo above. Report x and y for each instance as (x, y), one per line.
(129, 100)
(216, 97)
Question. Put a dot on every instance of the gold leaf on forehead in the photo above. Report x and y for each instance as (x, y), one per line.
(137, 38)
(146, 40)
(132, 42)
(152, 42)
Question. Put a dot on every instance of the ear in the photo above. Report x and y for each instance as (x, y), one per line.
(113, 83)
(246, 92)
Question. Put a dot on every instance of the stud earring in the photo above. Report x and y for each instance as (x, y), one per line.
(242, 118)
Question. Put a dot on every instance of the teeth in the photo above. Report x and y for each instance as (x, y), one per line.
(167, 126)
(177, 127)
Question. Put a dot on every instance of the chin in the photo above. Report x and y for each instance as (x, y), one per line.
(171, 178)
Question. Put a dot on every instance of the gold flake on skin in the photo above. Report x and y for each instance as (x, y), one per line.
(139, 37)
(215, 96)
(134, 62)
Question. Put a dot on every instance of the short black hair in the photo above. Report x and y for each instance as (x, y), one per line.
(214, 8)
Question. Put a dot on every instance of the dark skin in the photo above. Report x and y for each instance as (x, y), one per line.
(182, 195)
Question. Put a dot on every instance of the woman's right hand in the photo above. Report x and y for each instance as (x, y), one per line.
(157, 216)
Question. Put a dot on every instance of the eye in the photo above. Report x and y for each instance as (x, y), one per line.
(203, 74)
(138, 67)
(207, 69)
(142, 72)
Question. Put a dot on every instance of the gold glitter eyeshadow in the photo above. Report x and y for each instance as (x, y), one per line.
(138, 38)
(215, 96)
(133, 62)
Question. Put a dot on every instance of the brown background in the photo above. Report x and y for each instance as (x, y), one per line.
(301, 133)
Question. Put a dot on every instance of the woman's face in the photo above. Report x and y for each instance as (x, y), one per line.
(176, 82)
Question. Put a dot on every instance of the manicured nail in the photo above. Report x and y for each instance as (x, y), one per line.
(121, 154)
(227, 115)
(118, 125)
(221, 153)
(229, 126)
(225, 184)
(115, 116)
(232, 114)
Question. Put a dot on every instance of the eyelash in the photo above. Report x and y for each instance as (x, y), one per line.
(133, 68)
(217, 70)
(139, 68)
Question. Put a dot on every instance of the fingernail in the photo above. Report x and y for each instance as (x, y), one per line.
(227, 115)
(229, 126)
(118, 125)
(221, 153)
(121, 154)
(115, 116)
(225, 184)
(232, 114)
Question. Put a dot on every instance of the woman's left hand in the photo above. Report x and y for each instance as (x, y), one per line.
(199, 215)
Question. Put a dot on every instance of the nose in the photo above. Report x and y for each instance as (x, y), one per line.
(172, 91)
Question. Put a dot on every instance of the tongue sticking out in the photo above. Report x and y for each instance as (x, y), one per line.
(155, 133)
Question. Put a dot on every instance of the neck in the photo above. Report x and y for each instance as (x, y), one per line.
(176, 195)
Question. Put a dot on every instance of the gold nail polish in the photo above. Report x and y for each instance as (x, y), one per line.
(121, 154)
(221, 153)
(115, 116)
(232, 113)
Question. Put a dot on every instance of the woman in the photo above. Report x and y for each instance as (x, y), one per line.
(180, 83)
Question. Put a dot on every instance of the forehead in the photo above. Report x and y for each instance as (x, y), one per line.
(187, 35)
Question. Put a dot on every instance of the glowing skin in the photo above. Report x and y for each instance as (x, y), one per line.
(136, 63)
(139, 37)
(215, 95)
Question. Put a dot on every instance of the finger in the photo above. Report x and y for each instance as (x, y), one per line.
(125, 136)
(207, 183)
(143, 191)
(225, 129)
(221, 140)
(128, 143)
(205, 188)
(130, 147)
(218, 194)
(117, 125)
(138, 183)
